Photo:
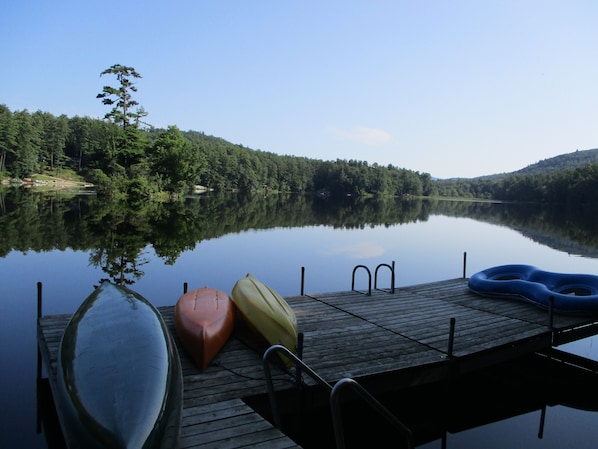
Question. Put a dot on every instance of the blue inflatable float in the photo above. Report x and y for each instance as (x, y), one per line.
(572, 293)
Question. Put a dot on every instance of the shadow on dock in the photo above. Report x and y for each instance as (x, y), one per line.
(529, 384)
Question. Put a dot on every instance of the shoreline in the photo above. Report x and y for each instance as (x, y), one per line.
(46, 182)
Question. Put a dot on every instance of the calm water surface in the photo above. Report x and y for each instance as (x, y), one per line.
(428, 249)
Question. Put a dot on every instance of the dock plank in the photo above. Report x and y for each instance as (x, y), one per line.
(399, 338)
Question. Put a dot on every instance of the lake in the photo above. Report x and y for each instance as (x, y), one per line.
(70, 243)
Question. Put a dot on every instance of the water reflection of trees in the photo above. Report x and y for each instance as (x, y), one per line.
(572, 228)
(118, 234)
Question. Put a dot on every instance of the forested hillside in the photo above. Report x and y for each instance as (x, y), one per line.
(577, 159)
(567, 178)
(125, 157)
(142, 161)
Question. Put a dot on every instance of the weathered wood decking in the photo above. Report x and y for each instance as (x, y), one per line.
(383, 341)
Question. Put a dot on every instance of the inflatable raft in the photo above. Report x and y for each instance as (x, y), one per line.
(571, 293)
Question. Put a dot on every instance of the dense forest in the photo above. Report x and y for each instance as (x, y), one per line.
(144, 160)
(173, 160)
(123, 156)
(568, 179)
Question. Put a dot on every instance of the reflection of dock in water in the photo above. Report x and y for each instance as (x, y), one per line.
(399, 343)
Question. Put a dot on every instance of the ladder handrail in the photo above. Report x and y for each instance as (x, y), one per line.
(273, 403)
(391, 267)
(392, 275)
(334, 397)
(378, 407)
(369, 293)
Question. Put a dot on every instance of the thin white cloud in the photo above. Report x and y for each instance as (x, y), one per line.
(363, 135)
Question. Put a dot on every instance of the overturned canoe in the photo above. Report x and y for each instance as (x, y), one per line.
(266, 312)
(569, 293)
(119, 379)
(204, 319)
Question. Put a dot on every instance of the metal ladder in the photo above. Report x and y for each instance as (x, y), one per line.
(391, 267)
(335, 402)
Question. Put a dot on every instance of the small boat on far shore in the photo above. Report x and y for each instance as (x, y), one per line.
(569, 293)
(119, 378)
(204, 319)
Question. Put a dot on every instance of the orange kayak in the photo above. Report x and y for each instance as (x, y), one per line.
(204, 319)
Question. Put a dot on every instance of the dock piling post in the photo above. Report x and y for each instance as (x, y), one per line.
(392, 276)
(39, 315)
(38, 421)
(464, 264)
(551, 312)
(553, 335)
(39, 299)
(300, 356)
(302, 280)
(451, 338)
(542, 421)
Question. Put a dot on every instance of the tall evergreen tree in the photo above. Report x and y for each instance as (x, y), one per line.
(28, 138)
(122, 113)
(127, 159)
(54, 135)
(8, 135)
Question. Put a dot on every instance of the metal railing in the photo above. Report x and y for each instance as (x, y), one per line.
(392, 275)
(335, 404)
(369, 293)
(335, 408)
(391, 267)
(299, 363)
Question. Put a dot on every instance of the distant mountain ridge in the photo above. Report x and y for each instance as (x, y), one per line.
(568, 161)
(561, 162)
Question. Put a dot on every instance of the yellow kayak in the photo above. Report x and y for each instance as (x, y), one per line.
(266, 312)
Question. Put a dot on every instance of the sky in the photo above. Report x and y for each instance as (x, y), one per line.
(458, 88)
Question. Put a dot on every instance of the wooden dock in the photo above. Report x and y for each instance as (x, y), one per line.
(415, 335)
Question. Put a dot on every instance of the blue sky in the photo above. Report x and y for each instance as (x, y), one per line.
(452, 88)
